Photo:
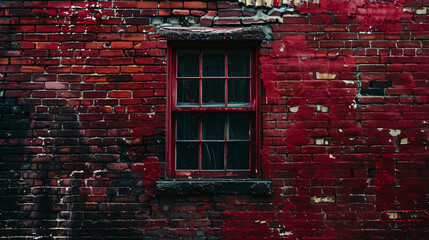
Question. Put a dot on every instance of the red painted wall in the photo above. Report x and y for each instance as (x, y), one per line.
(344, 121)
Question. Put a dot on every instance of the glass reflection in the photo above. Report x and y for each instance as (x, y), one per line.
(214, 92)
(188, 63)
(187, 156)
(188, 92)
(239, 127)
(238, 63)
(213, 127)
(212, 156)
(238, 155)
(213, 63)
(187, 126)
(238, 92)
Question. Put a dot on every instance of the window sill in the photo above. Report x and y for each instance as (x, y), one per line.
(213, 186)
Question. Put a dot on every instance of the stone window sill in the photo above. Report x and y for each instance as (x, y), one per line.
(213, 186)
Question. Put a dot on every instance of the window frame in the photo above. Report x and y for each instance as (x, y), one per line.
(172, 109)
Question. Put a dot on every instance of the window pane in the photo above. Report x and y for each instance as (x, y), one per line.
(238, 155)
(238, 63)
(239, 127)
(188, 63)
(213, 63)
(187, 126)
(212, 156)
(188, 92)
(214, 92)
(238, 92)
(213, 127)
(187, 156)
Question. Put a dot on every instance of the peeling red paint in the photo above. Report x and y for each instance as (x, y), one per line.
(372, 15)
(268, 78)
(344, 130)
(296, 135)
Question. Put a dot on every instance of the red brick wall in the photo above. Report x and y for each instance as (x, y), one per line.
(344, 121)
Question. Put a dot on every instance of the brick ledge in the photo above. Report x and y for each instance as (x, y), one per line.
(213, 186)
(212, 34)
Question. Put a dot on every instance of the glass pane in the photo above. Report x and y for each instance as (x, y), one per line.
(238, 155)
(238, 92)
(238, 63)
(187, 126)
(187, 156)
(213, 127)
(212, 156)
(239, 127)
(188, 92)
(213, 63)
(214, 92)
(188, 63)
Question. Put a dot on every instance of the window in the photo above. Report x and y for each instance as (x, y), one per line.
(212, 111)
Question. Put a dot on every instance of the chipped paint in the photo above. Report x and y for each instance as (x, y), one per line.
(327, 199)
(393, 132)
(404, 141)
(344, 119)
(392, 215)
(294, 109)
(325, 75)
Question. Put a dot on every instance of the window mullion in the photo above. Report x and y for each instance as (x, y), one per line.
(226, 78)
(225, 144)
(200, 144)
(226, 116)
(201, 79)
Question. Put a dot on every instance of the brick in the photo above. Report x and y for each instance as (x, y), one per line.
(44, 94)
(194, 5)
(181, 12)
(164, 12)
(111, 53)
(94, 94)
(138, 20)
(32, 85)
(56, 85)
(131, 69)
(90, 117)
(58, 4)
(84, 36)
(124, 4)
(55, 69)
(119, 94)
(83, 69)
(20, 61)
(143, 93)
(48, 29)
(94, 78)
(230, 13)
(121, 61)
(226, 22)
(121, 45)
(97, 61)
(32, 69)
(69, 78)
(197, 13)
(147, 4)
(107, 69)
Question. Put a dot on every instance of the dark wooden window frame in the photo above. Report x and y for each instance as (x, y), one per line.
(172, 110)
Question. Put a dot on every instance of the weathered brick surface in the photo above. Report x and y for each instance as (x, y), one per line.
(345, 121)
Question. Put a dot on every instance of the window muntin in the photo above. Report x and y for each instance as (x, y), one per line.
(213, 112)
(221, 141)
(215, 78)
